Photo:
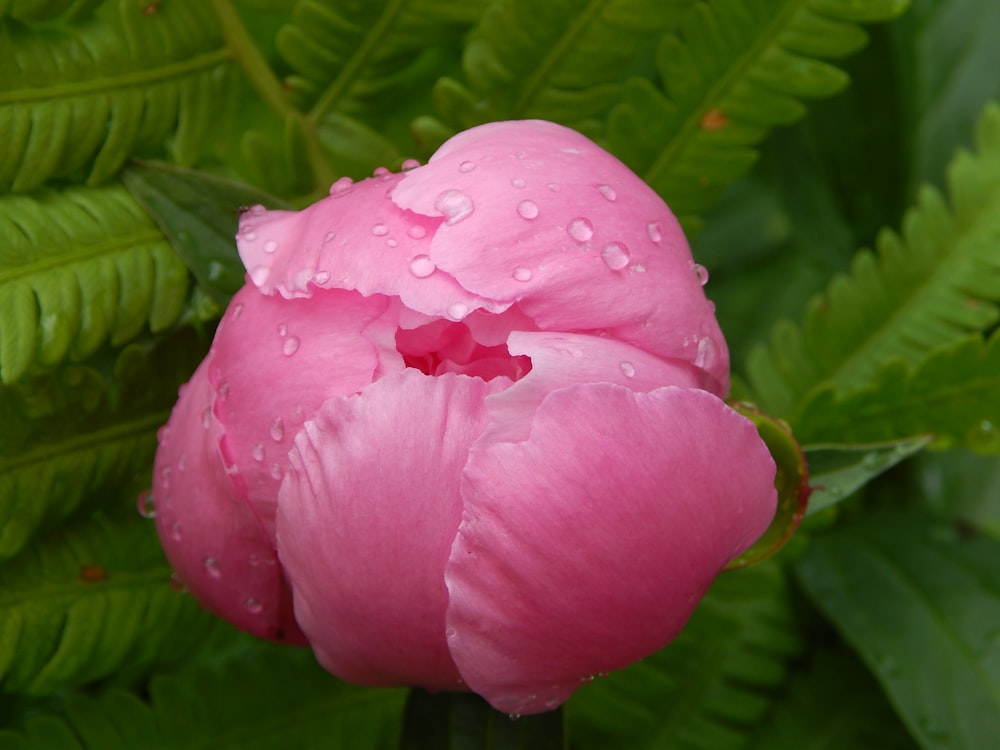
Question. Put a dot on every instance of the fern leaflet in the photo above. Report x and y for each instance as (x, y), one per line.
(734, 70)
(925, 289)
(88, 96)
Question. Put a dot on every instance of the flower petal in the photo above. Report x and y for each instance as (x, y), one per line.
(209, 534)
(560, 226)
(297, 353)
(366, 519)
(586, 547)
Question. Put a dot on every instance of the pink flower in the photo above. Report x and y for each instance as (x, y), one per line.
(467, 421)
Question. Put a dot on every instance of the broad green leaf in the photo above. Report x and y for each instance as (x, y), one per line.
(89, 600)
(199, 213)
(711, 686)
(83, 98)
(837, 471)
(45, 10)
(924, 290)
(953, 395)
(80, 436)
(963, 485)
(732, 72)
(79, 268)
(464, 721)
(920, 603)
(266, 698)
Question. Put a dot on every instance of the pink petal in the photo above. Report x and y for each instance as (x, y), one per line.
(274, 363)
(559, 360)
(366, 519)
(564, 229)
(355, 239)
(586, 547)
(216, 546)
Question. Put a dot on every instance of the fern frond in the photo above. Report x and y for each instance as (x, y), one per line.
(953, 395)
(351, 57)
(91, 599)
(232, 705)
(47, 10)
(734, 70)
(562, 60)
(77, 437)
(79, 268)
(710, 687)
(925, 289)
(125, 83)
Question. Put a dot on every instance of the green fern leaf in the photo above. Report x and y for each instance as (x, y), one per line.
(926, 289)
(79, 268)
(91, 599)
(46, 10)
(231, 706)
(125, 83)
(734, 70)
(76, 437)
(953, 395)
(560, 60)
(709, 688)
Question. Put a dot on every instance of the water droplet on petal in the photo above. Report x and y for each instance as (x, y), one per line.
(258, 452)
(409, 164)
(177, 584)
(391, 242)
(701, 272)
(627, 368)
(607, 191)
(237, 311)
(513, 717)
(454, 205)
(587, 679)
(253, 606)
(580, 229)
(145, 504)
(341, 186)
(282, 329)
(212, 567)
(257, 209)
(450, 633)
(554, 187)
(417, 232)
(291, 346)
(249, 235)
(329, 236)
(458, 311)
(277, 429)
(380, 230)
(270, 246)
(175, 531)
(276, 471)
(615, 255)
(206, 417)
(380, 172)
(253, 560)
(527, 210)
(570, 150)
(466, 166)
(655, 231)
(517, 182)
(259, 275)
(706, 353)
(322, 277)
(522, 274)
(422, 266)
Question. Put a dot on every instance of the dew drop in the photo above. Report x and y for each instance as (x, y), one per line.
(706, 353)
(513, 717)
(450, 633)
(290, 346)
(608, 192)
(422, 266)
(145, 505)
(627, 368)
(175, 531)
(237, 311)
(380, 230)
(253, 560)
(615, 255)
(587, 679)
(655, 231)
(701, 272)
(212, 567)
(258, 452)
(454, 205)
(518, 182)
(257, 210)
(253, 606)
(417, 232)
(322, 277)
(554, 187)
(580, 229)
(206, 417)
(409, 164)
(380, 172)
(458, 310)
(249, 235)
(341, 186)
(282, 329)
(391, 242)
(259, 275)
(522, 274)
(527, 210)
(466, 166)
(270, 246)
(329, 236)
(276, 471)
(277, 429)
(570, 150)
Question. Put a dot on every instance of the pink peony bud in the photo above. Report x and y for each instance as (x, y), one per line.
(468, 420)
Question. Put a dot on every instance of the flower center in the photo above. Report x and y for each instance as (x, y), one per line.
(443, 346)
